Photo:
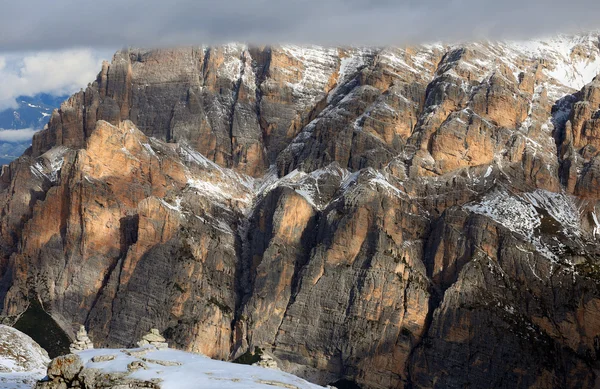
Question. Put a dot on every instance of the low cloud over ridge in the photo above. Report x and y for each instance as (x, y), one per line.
(54, 72)
(17, 136)
(42, 24)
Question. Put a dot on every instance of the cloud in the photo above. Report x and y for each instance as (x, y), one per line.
(43, 24)
(17, 136)
(53, 72)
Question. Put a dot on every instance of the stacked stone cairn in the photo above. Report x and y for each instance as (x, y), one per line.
(267, 361)
(82, 341)
(153, 338)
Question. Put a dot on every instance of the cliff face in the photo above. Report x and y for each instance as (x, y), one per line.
(416, 217)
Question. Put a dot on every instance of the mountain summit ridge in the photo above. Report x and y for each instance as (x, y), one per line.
(397, 217)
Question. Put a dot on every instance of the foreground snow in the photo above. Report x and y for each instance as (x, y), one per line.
(22, 360)
(192, 371)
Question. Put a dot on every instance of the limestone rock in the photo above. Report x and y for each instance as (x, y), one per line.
(22, 360)
(66, 366)
(103, 358)
(153, 338)
(136, 365)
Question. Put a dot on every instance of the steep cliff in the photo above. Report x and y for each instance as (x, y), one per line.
(397, 217)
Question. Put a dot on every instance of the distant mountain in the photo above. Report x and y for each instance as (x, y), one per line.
(32, 114)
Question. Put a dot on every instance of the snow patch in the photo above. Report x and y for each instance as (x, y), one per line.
(521, 214)
(558, 205)
(317, 65)
(231, 68)
(510, 211)
(381, 181)
(193, 371)
(488, 172)
(349, 67)
(560, 53)
(22, 360)
(149, 149)
(216, 191)
(596, 231)
(305, 184)
(49, 164)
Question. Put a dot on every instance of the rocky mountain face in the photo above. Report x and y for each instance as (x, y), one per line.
(396, 217)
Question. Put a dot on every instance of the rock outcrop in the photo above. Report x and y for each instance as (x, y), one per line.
(22, 360)
(395, 217)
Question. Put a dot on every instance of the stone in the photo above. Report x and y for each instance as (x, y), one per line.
(153, 338)
(103, 358)
(87, 377)
(66, 367)
(162, 363)
(82, 341)
(136, 365)
(161, 345)
(23, 361)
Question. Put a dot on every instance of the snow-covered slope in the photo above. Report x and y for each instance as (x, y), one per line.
(573, 60)
(173, 369)
(22, 360)
(568, 61)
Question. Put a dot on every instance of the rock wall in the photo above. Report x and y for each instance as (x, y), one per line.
(397, 217)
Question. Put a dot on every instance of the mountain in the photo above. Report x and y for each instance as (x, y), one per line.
(22, 360)
(32, 113)
(390, 217)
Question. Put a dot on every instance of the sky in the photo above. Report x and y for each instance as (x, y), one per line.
(43, 24)
(57, 46)
(56, 72)
(16, 136)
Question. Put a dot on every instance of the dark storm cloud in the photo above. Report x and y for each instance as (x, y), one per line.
(43, 24)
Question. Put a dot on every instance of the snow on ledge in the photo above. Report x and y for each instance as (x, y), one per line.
(185, 370)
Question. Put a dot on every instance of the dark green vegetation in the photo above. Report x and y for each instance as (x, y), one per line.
(345, 384)
(38, 324)
(249, 357)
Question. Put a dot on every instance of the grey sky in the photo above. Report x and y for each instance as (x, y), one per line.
(43, 24)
